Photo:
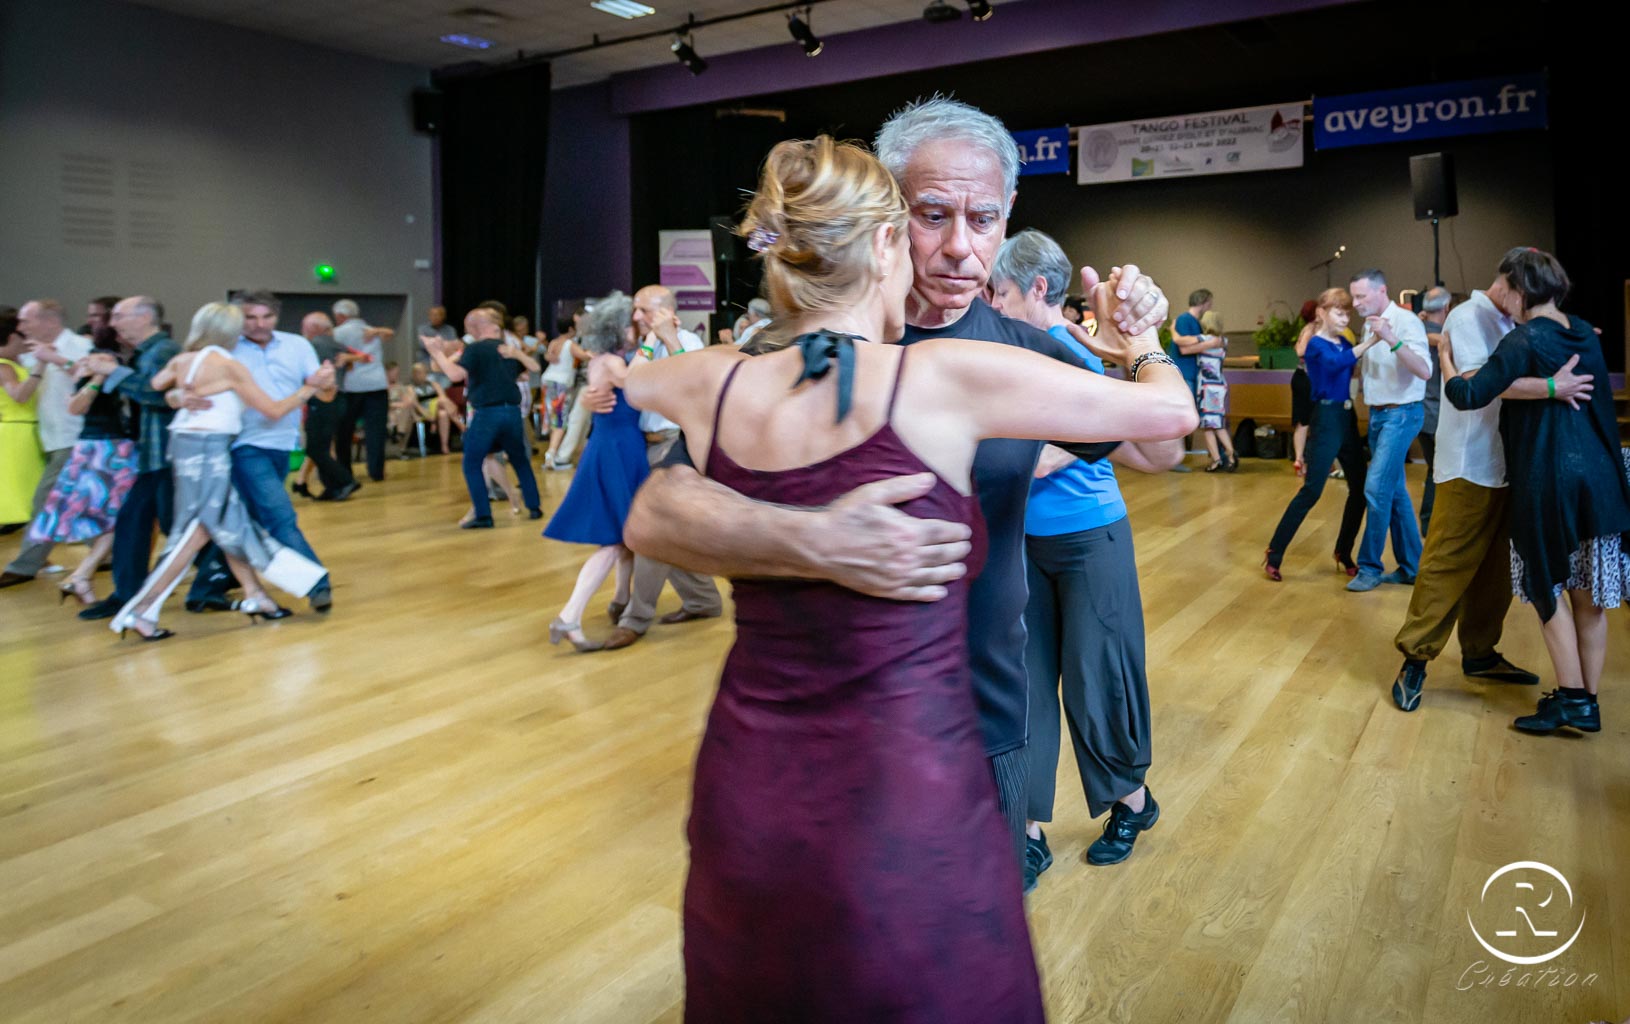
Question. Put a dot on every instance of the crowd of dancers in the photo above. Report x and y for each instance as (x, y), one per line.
(930, 583)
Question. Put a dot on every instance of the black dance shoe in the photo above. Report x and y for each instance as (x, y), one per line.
(1121, 831)
(106, 608)
(1495, 667)
(209, 604)
(1570, 707)
(478, 523)
(1037, 858)
(1406, 689)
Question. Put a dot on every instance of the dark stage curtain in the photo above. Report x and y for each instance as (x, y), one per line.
(494, 138)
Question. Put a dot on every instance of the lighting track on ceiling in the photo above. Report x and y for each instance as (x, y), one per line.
(523, 58)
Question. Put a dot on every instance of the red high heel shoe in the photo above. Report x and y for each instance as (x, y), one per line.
(1269, 568)
(1344, 563)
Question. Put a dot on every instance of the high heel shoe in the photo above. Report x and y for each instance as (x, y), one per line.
(79, 588)
(133, 622)
(1344, 563)
(1269, 568)
(560, 630)
(258, 608)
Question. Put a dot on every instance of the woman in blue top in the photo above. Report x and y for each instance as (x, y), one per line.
(1084, 619)
(1333, 434)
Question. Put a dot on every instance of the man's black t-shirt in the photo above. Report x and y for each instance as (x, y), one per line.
(492, 377)
(1002, 470)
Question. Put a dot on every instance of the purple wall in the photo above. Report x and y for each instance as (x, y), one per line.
(587, 234)
(1017, 28)
(586, 226)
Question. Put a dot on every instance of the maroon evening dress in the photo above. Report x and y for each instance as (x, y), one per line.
(848, 860)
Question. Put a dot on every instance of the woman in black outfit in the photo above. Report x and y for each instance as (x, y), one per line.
(1570, 500)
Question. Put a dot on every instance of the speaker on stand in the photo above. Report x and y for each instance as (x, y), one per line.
(729, 253)
(1432, 182)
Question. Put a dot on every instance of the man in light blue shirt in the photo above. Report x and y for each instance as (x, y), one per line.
(279, 362)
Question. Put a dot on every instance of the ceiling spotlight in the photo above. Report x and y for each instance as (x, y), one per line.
(626, 9)
(980, 9)
(687, 56)
(938, 12)
(806, 38)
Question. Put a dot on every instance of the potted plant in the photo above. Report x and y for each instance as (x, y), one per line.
(1276, 341)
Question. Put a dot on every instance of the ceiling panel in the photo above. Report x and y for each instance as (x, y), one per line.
(410, 30)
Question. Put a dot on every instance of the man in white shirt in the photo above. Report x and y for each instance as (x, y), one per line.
(656, 317)
(1395, 375)
(1465, 571)
(53, 350)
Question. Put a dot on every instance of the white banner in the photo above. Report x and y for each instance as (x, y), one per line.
(1221, 142)
(686, 268)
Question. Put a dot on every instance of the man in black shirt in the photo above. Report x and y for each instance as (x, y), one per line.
(958, 168)
(489, 364)
(323, 418)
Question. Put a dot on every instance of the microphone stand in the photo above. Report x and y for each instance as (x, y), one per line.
(1326, 264)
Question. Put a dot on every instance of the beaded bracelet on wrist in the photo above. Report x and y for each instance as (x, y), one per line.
(1148, 357)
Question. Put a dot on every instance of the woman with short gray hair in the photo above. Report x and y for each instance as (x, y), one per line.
(1078, 559)
(613, 466)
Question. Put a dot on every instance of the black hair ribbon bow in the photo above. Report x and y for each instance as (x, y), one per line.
(823, 348)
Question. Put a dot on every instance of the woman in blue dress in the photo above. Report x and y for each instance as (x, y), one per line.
(612, 468)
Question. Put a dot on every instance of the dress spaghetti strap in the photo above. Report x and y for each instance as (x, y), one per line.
(718, 410)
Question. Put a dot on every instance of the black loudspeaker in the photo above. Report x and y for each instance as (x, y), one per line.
(1432, 180)
(728, 247)
(429, 108)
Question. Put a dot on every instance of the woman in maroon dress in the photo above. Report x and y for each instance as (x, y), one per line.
(848, 859)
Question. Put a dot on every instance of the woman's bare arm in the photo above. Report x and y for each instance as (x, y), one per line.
(260, 401)
(167, 378)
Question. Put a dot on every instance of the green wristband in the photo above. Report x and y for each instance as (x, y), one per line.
(1396, 347)
(1550, 387)
(93, 386)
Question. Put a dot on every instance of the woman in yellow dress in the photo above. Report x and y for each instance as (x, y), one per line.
(21, 460)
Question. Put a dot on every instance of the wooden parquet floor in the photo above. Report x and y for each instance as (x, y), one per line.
(417, 810)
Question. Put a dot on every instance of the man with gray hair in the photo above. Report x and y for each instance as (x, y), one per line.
(323, 418)
(958, 168)
(52, 351)
(758, 317)
(366, 389)
(1079, 558)
(140, 323)
(1434, 310)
